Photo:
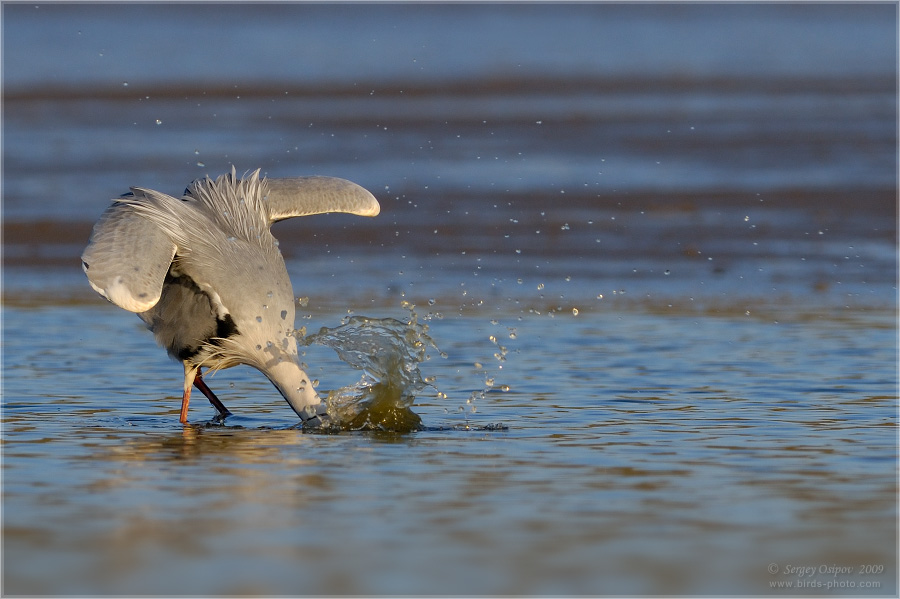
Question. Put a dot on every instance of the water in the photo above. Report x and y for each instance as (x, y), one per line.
(654, 247)
(389, 352)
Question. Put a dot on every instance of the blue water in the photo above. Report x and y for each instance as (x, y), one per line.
(416, 99)
(427, 42)
(637, 446)
(657, 244)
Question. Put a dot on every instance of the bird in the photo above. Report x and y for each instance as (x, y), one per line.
(205, 274)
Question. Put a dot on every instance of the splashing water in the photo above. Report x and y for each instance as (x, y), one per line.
(389, 352)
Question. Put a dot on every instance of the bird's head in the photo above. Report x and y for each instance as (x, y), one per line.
(284, 370)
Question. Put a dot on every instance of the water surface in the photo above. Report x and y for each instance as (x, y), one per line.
(655, 244)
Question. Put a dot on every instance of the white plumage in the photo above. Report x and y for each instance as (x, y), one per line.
(205, 273)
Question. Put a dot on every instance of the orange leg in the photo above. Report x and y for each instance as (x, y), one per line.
(185, 400)
(193, 378)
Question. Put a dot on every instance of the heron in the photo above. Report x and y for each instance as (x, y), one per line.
(205, 274)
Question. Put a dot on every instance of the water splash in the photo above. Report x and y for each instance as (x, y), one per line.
(389, 352)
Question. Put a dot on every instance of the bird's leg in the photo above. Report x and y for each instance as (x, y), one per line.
(218, 405)
(189, 374)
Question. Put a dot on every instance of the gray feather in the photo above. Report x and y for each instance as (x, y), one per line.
(303, 196)
(127, 258)
(204, 271)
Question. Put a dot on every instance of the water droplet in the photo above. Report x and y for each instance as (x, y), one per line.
(259, 319)
(158, 122)
(540, 286)
(431, 302)
(269, 294)
(574, 311)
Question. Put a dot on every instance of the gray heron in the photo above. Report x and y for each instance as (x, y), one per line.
(205, 274)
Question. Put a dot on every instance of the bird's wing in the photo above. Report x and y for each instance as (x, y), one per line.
(127, 258)
(302, 196)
